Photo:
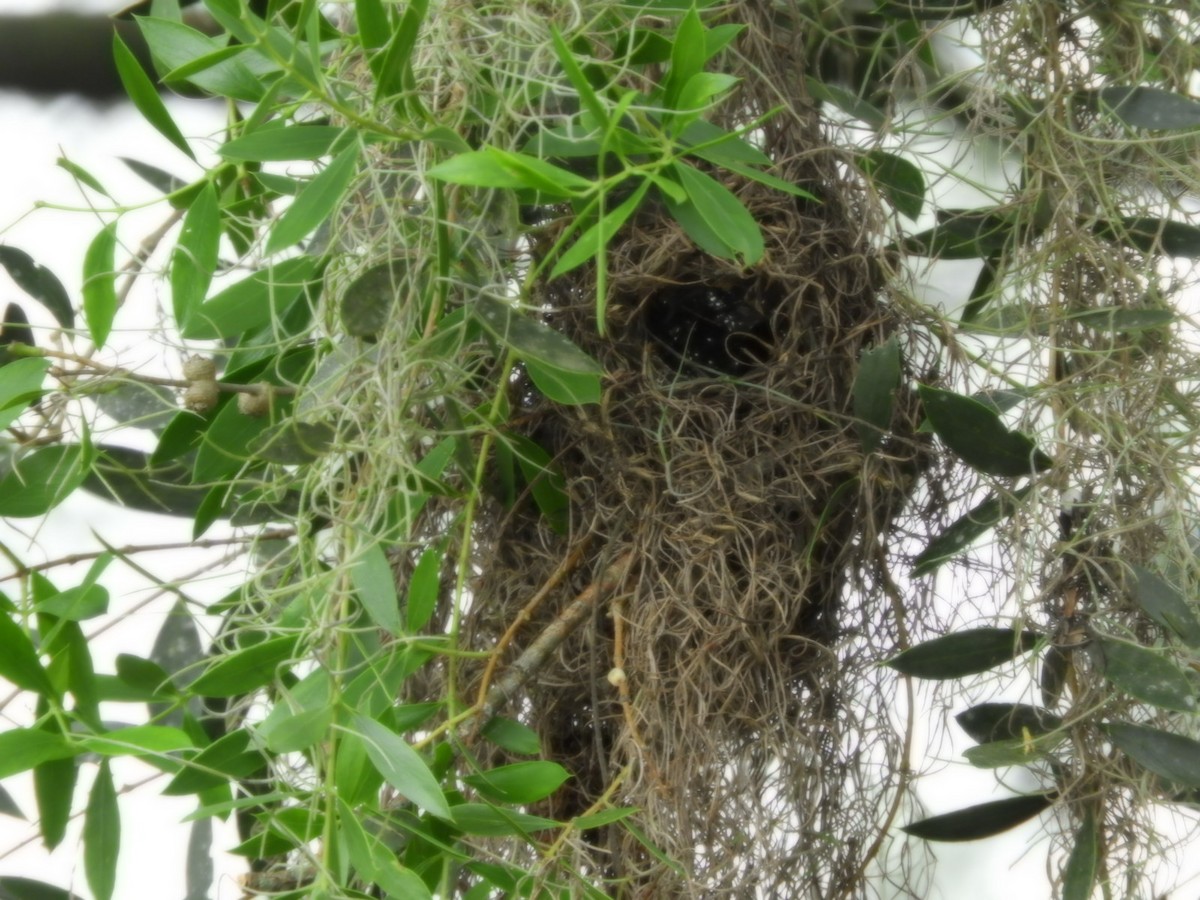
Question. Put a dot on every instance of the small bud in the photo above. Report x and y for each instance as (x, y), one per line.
(199, 368)
(616, 677)
(201, 396)
(256, 403)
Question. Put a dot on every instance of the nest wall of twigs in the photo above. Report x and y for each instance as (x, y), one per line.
(740, 691)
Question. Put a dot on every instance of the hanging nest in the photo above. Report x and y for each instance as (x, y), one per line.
(724, 684)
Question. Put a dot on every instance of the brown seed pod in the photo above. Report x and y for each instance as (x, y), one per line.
(199, 368)
(201, 396)
(256, 402)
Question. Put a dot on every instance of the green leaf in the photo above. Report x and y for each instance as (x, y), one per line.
(1079, 876)
(983, 820)
(402, 767)
(545, 481)
(588, 97)
(139, 740)
(316, 202)
(900, 180)
(562, 386)
(8, 807)
(532, 340)
(20, 383)
(1152, 235)
(688, 56)
(144, 94)
(721, 212)
(15, 888)
(282, 144)
(99, 284)
(1163, 603)
(39, 283)
(154, 176)
(54, 786)
(393, 71)
(423, 588)
(962, 235)
(1150, 108)
(189, 55)
(195, 257)
(1011, 752)
(244, 670)
(492, 167)
(1172, 756)
(302, 716)
(40, 481)
(252, 302)
(851, 104)
(1123, 319)
(292, 442)
(375, 584)
(962, 532)
(874, 392)
(226, 759)
(964, 652)
(369, 300)
(22, 749)
(374, 27)
(701, 88)
(102, 835)
(145, 676)
(19, 661)
(126, 476)
(1146, 675)
(480, 818)
(977, 435)
(989, 722)
(76, 604)
(512, 736)
(524, 782)
(594, 241)
(82, 175)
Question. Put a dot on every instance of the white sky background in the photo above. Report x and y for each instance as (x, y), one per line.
(35, 132)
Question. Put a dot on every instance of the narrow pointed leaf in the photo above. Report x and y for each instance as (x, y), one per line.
(874, 392)
(981, 821)
(16, 888)
(964, 652)
(99, 284)
(245, 670)
(54, 787)
(316, 202)
(24, 748)
(977, 435)
(1151, 108)
(722, 213)
(402, 767)
(564, 386)
(1146, 675)
(145, 97)
(1152, 235)
(102, 835)
(376, 586)
(39, 283)
(964, 531)
(533, 340)
(899, 180)
(1163, 603)
(1173, 756)
(19, 663)
(988, 722)
(195, 258)
(1080, 873)
(525, 782)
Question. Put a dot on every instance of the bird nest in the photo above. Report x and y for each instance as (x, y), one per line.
(723, 679)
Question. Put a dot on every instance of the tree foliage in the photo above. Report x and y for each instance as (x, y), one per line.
(606, 485)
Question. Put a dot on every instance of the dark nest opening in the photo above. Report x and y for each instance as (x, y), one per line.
(727, 688)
